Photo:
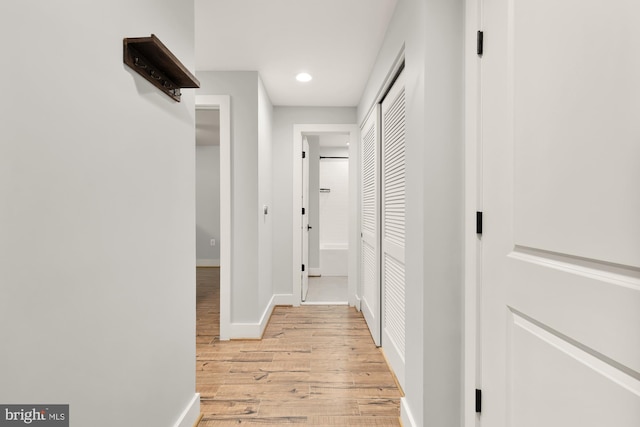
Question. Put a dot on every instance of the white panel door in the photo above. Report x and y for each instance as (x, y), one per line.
(393, 226)
(370, 245)
(560, 287)
(305, 219)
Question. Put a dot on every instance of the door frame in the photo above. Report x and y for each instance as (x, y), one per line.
(472, 204)
(223, 103)
(354, 207)
(305, 218)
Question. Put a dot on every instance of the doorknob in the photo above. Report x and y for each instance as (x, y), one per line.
(309, 227)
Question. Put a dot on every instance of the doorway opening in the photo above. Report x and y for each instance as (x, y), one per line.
(207, 187)
(326, 220)
(207, 157)
(215, 110)
(328, 217)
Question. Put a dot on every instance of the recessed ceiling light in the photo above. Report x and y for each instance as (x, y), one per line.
(304, 77)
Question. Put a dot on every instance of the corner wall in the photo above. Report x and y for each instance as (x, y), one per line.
(242, 86)
(251, 189)
(430, 32)
(97, 255)
(443, 193)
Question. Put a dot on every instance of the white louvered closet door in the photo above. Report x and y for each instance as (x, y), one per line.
(393, 227)
(370, 247)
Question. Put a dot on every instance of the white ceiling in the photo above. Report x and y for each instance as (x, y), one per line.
(336, 41)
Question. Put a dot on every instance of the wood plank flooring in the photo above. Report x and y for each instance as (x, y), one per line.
(316, 365)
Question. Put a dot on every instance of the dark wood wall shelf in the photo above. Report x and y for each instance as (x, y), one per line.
(150, 58)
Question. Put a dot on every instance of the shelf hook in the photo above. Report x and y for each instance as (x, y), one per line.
(139, 64)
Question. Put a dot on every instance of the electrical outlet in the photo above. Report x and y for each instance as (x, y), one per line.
(213, 242)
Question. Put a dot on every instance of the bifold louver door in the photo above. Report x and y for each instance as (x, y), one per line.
(370, 248)
(393, 227)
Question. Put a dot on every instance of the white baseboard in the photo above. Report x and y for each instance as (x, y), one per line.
(394, 357)
(190, 414)
(255, 330)
(326, 303)
(314, 272)
(358, 303)
(207, 263)
(405, 414)
(283, 299)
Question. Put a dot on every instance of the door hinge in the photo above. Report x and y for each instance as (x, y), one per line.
(478, 401)
(478, 222)
(304, 154)
(480, 43)
(302, 267)
(302, 211)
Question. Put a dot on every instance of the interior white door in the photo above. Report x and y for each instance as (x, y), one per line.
(560, 288)
(393, 226)
(305, 219)
(370, 223)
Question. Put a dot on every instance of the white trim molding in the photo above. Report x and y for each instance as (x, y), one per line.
(473, 203)
(283, 299)
(315, 272)
(405, 414)
(223, 103)
(256, 330)
(358, 303)
(207, 263)
(191, 413)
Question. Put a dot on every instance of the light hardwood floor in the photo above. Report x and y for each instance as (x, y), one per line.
(316, 365)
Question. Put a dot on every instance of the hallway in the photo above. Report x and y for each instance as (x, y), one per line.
(316, 365)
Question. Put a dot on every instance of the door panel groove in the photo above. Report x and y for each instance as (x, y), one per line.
(589, 267)
(623, 375)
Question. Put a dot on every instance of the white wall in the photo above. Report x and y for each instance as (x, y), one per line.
(265, 222)
(251, 189)
(334, 205)
(97, 284)
(242, 86)
(431, 31)
(207, 205)
(283, 120)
